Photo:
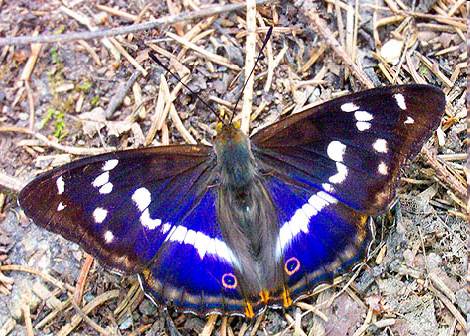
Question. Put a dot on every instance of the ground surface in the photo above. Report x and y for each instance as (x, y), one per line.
(414, 282)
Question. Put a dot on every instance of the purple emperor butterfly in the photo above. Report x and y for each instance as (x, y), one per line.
(249, 222)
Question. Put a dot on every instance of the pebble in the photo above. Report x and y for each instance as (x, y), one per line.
(391, 51)
(126, 324)
(147, 308)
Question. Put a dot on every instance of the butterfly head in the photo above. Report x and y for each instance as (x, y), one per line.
(234, 157)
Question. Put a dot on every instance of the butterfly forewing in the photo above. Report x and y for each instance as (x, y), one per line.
(353, 147)
(119, 206)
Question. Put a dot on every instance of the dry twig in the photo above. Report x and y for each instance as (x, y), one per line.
(128, 29)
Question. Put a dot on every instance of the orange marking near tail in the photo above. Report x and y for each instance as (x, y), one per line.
(286, 298)
(264, 296)
(249, 310)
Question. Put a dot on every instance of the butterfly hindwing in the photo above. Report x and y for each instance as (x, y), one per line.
(193, 268)
(319, 236)
(353, 147)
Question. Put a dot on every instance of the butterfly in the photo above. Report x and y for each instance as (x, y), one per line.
(249, 222)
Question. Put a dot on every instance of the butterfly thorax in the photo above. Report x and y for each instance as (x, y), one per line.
(234, 158)
(246, 214)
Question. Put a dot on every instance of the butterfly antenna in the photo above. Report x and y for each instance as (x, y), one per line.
(268, 36)
(156, 60)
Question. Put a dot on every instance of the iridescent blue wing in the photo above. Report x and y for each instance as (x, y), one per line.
(148, 211)
(319, 237)
(194, 267)
(330, 167)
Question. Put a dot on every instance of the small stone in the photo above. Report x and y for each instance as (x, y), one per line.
(100, 18)
(147, 308)
(426, 36)
(409, 257)
(314, 96)
(126, 324)
(22, 296)
(391, 51)
(23, 116)
(88, 297)
(462, 297)
(434, 261)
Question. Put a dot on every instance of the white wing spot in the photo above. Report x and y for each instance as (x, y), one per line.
(383, 168)
(336, 150)
(101, 180)
(141, 198)
(349, 107)
(328, 198)
(107, 188)
(340, 176)
(380, 145)
(409, 120)
(211, 247)
(225, 253)
(110, 164)
(321, 200)
(285, 237)
(99, 215)
(190, 237)
(61, 206)
(148, 222)
(299, 222)
(168, 237)
(108, 237)
(179, 234)
(309, 210)
(400, 100)
(327, 187)
(60, 185)
(363, 116)
(201, 242)
(166, 227)
(363, 125)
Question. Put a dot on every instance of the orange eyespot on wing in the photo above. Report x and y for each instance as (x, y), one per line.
(229, 281)
(291, 266)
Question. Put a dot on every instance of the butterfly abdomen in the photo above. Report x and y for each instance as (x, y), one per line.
(247, 216)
